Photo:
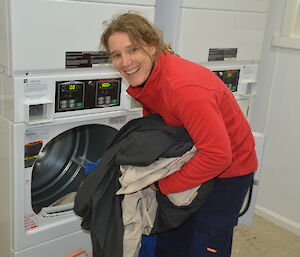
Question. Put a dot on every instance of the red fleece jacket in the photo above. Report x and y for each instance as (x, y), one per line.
(188, 95)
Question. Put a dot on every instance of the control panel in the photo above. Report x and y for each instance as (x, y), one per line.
(87, 94)
(241, 81)
(230, 78)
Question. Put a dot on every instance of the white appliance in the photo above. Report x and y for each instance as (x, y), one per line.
(53, 35)
(47, 146)
(225, 36)
(214, 30)
(60, 104)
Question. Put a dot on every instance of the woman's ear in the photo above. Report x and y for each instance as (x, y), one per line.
(152, 50)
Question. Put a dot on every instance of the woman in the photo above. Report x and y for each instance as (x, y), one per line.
(188, 95)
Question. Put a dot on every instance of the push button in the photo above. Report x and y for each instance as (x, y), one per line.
(108, 99)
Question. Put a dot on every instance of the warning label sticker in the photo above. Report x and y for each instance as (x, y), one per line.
(222, 54)
(31, 152)
(86, 59)
(30, 222)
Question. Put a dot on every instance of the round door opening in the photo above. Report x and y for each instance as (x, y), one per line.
(60, 167)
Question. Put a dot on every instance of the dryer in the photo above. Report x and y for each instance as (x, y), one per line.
(53, 35)
(51, 127)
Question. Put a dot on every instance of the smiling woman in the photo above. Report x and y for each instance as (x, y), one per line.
(188, 95)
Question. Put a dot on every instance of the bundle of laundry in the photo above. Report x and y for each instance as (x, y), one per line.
(139, 206)
(141, 142)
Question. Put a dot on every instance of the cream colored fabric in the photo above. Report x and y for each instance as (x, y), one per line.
(68, 198)
(139, 210)
(136, 178)
(139, 205)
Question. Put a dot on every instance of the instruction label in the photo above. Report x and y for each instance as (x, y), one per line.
(86, 59)
(35, 89)
(30, 222)
(222, 54)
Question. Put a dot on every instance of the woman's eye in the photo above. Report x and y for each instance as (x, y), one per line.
(134, 49)
(115, 56)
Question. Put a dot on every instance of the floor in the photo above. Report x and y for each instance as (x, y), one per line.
(264, 239)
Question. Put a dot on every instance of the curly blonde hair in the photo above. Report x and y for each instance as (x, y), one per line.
(139, 30)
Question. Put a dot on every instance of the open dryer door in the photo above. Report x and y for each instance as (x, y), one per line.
(59, 169)
(247, 211)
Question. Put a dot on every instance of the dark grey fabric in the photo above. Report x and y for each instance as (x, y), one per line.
(140, 142)
(170, 216)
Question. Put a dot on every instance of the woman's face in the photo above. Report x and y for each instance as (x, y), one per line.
(129, 59)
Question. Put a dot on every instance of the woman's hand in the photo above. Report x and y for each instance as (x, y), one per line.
(153, 187)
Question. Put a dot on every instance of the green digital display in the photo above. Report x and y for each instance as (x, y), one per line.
(69, 88)
(105, 85)
(72, 87)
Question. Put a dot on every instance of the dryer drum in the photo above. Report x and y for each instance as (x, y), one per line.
(59, 168)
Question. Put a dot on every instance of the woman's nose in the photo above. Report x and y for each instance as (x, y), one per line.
(126, 60)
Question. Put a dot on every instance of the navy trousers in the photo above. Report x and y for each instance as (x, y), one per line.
(209, 231)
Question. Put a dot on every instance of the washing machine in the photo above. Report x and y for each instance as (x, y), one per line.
(52, 128)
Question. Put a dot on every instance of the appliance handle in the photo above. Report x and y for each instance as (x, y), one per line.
(79, 251)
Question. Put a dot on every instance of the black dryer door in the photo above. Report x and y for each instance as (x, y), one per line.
(59, 168)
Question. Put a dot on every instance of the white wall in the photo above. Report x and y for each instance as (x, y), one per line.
(276, 114)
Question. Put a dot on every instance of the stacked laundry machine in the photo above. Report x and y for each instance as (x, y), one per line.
(61, 103)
